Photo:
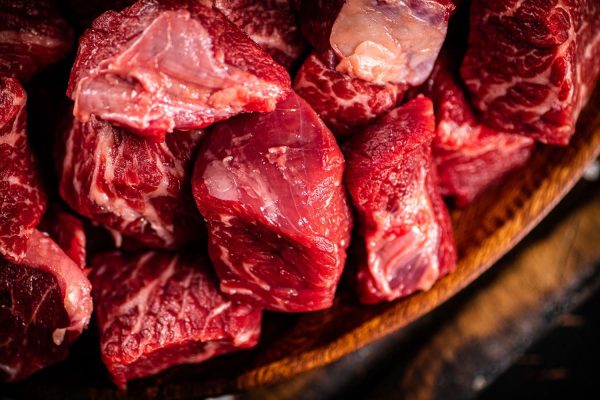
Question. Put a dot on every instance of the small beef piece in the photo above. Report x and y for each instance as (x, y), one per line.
(156, 310)
(379, 41)
(405, 227)
(345, 104)
(269, 187)
(67, 231)
(33, 36)
(270, 24)
(45, 303)
(160, 66)
(531, 65)
(470, 157)
(22, 197)
(133, 186)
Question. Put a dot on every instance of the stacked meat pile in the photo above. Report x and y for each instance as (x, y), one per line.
(221, 178)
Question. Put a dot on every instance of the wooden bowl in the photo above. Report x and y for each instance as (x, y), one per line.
(295, 343)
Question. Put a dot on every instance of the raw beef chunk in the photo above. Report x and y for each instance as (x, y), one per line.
(158, 66)
(469, 156)
(406, 228)
(33, 37)
(531, 65)
(379, 41)
(345, 104)
(270, 24)
(156, 310)
(45, 303)
(67, 231)
(133, 186)
(22, 198)
(269, 187)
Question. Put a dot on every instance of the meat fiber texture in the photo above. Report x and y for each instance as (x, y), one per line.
(32, 36)
(470, 157)
(135, 187)
(531, 65)
(345, 104)
(156, 310)
(379, 41)
(406, 233)
(160, 66)
(270, 24)
(67, 231)
(22, 197)
(270, 189)
(45, 303)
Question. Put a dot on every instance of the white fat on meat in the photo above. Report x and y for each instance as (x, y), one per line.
(388, 41)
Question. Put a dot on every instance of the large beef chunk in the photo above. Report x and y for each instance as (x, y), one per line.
(379, 41)
(158, 66)
(532, 64)
(133, 186)
(156, 310)
(345, 104)
(33, 37)
(22, 198)
(45, 303)
(406, 233)
(470, 157)
(269, 187)
(270, 24)
(68, 232)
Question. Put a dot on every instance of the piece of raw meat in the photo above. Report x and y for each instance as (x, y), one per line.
(269, 187)
(345, 104)
(270, 24)
(470, 157)
(22, 197)
(160, 66)
(531, 65)
(45, 303)
(33, 36)
(67, 231)
(133, 186)
(403, 221)
(379, 41)
(156, 310)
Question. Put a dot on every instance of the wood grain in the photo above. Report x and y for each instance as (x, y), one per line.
(292, 344)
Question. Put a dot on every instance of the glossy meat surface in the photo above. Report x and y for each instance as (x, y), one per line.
(160, 66)
(156, 310)
(45, 303)
(379, 41)
(32, 36)
(345, 104)
(532, 64)
(470, 157)
(269, 187)
(67, 231)
(270, 24)
(22, 197)
(406, 234)
(136, 187)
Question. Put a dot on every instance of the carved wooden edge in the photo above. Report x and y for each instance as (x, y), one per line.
(563, 168)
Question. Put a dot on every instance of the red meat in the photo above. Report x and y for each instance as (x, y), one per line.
(469, 156)
(345, 104)
(270, 24)
(22, 198)
(45, 303)
(67, 231)
(136, 68)
(33, 37)
(269, 187)
(532, 64)
(156, 310)
(133, 186)
(379, 41)
(406, 231)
